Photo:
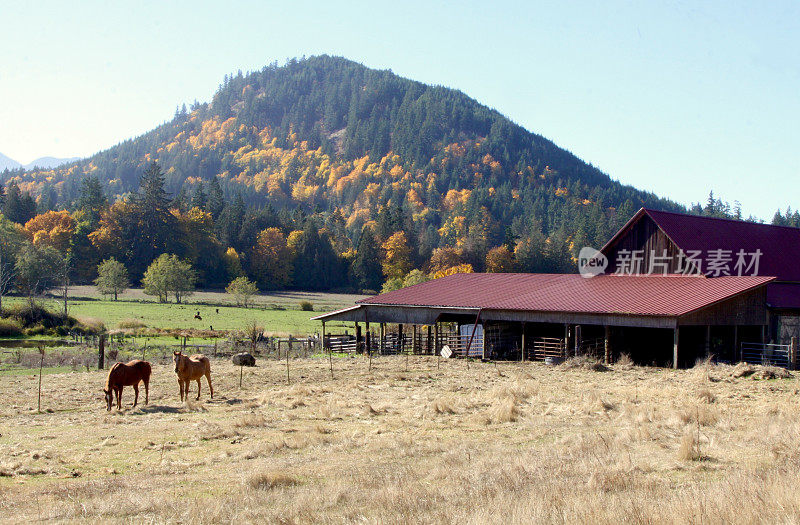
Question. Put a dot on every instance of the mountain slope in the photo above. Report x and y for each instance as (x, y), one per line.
(328, 137)
(7, 163)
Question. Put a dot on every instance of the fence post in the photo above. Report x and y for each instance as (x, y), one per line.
(101, 352)
(793, 353)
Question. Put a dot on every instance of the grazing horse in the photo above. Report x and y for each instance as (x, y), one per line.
(127, 374)
(192, 368)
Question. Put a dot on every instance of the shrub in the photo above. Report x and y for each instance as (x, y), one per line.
(10, 328)
(306, 306)
(271, 480)
(129, 324)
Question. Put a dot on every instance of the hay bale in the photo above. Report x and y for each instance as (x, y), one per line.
(244, 359)
(585, 363)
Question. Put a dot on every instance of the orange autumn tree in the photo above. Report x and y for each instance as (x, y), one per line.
(52, 228)
(397, 256)
(271, 259)
(500, 260)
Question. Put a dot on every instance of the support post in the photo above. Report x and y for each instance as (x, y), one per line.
(101, 352)
(793, 353)
(383, 338)
(607, 345)
(414, 339)
(566, 339)
(675, 337)
(323, 337)
(577, 339)
(429, 341)
(522, 348)
(358, 337)
(400, 345)
(368, 339)
(436, 338)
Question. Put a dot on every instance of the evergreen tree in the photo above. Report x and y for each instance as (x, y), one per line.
(199, 197)
(216, 200)
(92, 200)
(157, 226)
(366, 268)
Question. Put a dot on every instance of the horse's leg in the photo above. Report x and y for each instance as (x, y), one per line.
(147, 392)
(180, 385)
(198, 388)
(119, 398)
(136, 397)
(211, 388)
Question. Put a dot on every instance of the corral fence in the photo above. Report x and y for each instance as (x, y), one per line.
(767, 354)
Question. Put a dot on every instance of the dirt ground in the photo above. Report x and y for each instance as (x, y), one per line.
(412, 441)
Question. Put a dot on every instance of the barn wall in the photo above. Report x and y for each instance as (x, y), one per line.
(644, 235)
(748, 308)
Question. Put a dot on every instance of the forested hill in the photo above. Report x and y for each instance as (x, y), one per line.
(346, 146)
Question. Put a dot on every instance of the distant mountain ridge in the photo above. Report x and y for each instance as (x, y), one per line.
(7, 163)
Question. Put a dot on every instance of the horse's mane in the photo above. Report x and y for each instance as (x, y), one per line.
(108, 379)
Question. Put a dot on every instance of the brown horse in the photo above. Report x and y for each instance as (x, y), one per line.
(127, 374)
(192, 368)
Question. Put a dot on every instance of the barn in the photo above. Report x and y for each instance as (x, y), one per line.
(677, 288)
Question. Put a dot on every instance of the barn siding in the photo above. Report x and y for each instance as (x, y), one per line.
(745, 309)
(643, 235)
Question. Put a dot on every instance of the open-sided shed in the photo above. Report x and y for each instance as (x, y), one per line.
(657, 319)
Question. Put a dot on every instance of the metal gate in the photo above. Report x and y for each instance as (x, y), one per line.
(766, 354)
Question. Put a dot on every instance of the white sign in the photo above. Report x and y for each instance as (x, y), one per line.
(446, 352)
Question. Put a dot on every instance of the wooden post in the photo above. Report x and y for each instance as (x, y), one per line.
(101, 352)
(566, 339)
(414, 339)
(793, 353)
(323, 337)
(522, 348)
(577, 339)
(436, 338)
(429, 341)
(358, 337)
(400, 338)
(675, 337)
(383, 338)
(607, 345)
(368, 339)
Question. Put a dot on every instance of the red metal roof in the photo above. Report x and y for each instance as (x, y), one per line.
(648, 295)
(779, 245)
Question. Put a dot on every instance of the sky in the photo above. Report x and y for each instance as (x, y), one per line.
(677, 98)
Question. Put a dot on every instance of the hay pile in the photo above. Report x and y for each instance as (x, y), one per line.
(760, 372)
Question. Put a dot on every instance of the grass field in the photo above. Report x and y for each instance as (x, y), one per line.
(484, 443)
(278, 313)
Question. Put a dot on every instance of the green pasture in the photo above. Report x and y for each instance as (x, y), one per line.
(280, 316)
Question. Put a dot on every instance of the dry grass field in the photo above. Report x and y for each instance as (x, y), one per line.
(477, 443)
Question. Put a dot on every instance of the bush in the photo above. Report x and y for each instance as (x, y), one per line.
(127, 324)
(10, 328)
(306, 306)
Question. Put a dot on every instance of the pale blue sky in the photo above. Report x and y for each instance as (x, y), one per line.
(673, 97)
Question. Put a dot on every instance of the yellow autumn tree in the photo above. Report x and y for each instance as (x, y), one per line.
(500, 260)
(461, 268)
(397, 256)
(444, 258)
(233, 264)
(52, 228)
(271, 259)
